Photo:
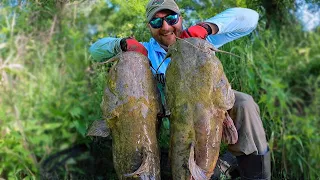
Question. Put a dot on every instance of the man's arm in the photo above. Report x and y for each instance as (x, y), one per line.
(231, 24)
(108, 47)
(105, 48)
(227, 26)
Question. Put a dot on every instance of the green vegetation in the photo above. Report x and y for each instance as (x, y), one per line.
(50, 90)
(282, 73)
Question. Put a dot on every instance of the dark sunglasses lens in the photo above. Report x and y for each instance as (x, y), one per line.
(172, 19)
(156, 22)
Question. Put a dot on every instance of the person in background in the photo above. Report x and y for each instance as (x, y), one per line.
(244, 131)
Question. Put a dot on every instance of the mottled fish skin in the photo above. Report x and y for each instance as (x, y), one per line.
(198, 95)
(130, 105)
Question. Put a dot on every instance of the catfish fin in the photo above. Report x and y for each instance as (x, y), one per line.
(196, 172)
(99, 128)
(143, 170)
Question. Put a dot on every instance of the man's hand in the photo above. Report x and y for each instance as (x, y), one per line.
(131, 44)
(229, 132)
(201, 30)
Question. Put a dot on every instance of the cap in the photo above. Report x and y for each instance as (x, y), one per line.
(155, 6)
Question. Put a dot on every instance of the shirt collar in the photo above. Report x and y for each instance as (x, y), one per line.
(156, 46)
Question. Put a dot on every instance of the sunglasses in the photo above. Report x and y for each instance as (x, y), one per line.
(171, 19)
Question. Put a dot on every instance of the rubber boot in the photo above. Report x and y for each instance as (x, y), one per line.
(254, 167)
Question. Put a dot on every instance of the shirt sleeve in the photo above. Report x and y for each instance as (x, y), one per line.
(233, 23)
(105, 48)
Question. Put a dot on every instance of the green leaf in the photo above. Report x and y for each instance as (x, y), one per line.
(81, 127)
(51, 126)
(76, 112)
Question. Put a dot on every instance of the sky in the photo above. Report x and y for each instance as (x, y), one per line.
(309, 19)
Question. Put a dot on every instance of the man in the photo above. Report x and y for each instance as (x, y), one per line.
(165, 24)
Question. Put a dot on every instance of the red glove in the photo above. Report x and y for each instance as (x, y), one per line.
(201, 30)
(229, 132)
(131, 44)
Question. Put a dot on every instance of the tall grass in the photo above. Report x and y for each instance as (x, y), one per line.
(282, 71)
(46, 101)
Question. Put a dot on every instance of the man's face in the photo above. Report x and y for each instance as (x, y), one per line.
(166, 34)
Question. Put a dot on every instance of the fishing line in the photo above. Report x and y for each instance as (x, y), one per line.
(115, 58)
(110, 60)
(213, 49)
(161, 64)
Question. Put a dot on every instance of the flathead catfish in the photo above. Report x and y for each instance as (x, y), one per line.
(198, 95)
(130, 106)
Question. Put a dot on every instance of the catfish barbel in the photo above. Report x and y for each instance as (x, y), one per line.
(130, 106)
(198, 95)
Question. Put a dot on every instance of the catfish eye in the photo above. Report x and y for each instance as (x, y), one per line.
(221, 83)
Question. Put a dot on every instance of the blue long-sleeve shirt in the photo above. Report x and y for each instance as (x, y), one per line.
(232, 23)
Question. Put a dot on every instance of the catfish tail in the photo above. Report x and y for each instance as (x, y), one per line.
(196, 172)
(144, 170)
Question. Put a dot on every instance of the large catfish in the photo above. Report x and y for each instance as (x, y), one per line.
(130, 106)
(198, 95)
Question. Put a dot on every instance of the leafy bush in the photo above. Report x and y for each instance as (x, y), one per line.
(46, 102)
(281, 72)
